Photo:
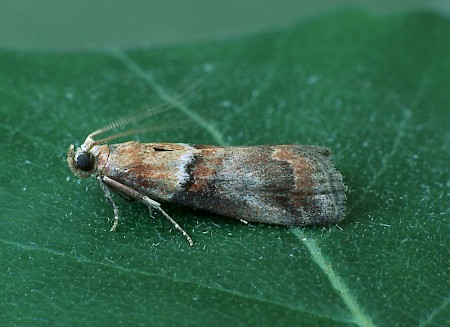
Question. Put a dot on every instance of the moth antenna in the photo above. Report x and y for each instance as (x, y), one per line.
(140, 131)
(194, 88)
(131, 119)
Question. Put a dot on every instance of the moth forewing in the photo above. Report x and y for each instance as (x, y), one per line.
(283, 184)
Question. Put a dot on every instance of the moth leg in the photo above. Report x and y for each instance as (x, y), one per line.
(174, 223)
(151, 204)
(110, 200)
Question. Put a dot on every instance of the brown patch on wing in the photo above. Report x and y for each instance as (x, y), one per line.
(319, 191)
(151, 168)
(203, 169)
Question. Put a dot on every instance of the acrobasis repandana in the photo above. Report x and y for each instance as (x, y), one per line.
(292, 185)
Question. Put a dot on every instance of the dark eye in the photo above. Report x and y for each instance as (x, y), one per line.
(85, 161)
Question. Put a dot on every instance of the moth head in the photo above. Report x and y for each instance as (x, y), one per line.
(83, 161)
(90, 158)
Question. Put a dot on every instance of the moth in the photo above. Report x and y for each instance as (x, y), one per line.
(292, 185)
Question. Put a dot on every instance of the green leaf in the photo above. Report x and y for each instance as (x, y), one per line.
(374, 89)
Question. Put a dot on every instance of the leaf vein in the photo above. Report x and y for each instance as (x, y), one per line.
(435, 312)
(360, 317)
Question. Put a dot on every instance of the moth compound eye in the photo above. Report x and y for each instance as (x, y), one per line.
(85, 161)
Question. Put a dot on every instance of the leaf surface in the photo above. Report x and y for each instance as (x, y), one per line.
(372, 88)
